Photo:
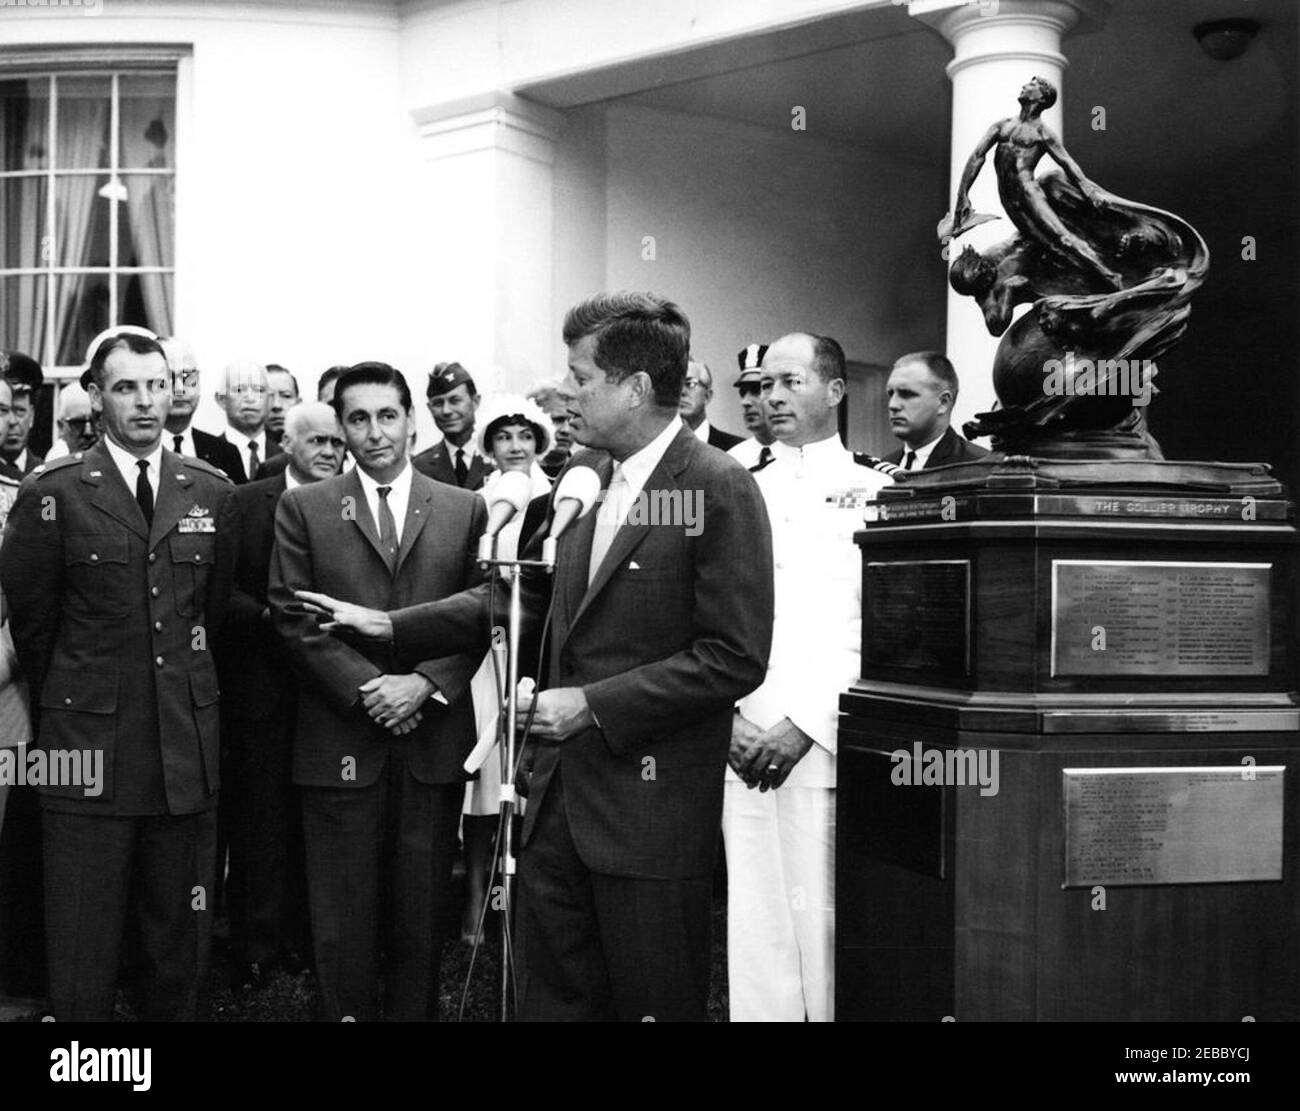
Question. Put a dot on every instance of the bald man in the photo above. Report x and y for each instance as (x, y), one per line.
(778, 815)
(76, 423)
(266, 886)
(245, 397)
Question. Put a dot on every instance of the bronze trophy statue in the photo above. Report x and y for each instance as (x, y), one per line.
(1109, 281)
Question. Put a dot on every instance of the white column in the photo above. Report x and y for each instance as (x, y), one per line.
(481, 245)
(997, 46)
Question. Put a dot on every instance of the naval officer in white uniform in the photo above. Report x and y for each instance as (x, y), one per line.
(779, 809)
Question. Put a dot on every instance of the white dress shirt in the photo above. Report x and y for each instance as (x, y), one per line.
(635, 470)
(398, 497)
(817, 572)
(242, 443)
(187, 442)
(922, 453)
(126, 465)
(702, 430)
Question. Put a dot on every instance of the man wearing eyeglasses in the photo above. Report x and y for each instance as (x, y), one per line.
(245, 397)
(77, 426)
(179, 435)
(755, 452)
(697, 392)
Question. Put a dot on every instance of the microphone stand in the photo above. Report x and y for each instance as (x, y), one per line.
(503, 862)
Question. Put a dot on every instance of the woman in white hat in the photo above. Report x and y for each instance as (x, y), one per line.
(514, 433)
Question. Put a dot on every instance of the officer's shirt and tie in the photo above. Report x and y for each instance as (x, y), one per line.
(814, 497)
(915, 459)
(140, 475)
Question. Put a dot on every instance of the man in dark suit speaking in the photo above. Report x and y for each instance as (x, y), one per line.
(661, 622)
(922, 389)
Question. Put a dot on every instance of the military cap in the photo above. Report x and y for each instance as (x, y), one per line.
(751, 361)
(22, 372)
(445, 377)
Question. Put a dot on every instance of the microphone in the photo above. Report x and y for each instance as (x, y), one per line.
(574, 498)
(509, 496)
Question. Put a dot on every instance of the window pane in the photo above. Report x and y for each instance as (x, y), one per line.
(82, 122)
(146, 221)
(22, 223)
(146, 300)
(24, 123)
(147, 121)
(80, 314)
(22, 315)
(81, 220)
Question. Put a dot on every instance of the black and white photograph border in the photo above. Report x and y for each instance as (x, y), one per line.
(1102, 608)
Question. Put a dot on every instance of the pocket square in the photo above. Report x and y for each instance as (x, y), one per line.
(634, 566)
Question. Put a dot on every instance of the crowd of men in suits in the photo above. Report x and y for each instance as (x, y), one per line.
(270, 634)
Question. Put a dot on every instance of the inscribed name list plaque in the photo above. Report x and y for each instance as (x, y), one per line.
(917, 615)
(1172, 825)
(1151, 617)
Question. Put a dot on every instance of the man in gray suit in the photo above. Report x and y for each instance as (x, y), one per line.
(381, 734)
(662, 620)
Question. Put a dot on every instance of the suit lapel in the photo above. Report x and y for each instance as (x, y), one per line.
(362, 518)
(112, 495)
(943, 450)
(419, 508)
(629, 534)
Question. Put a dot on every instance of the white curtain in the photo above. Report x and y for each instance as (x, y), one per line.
(81, 137)
(145, 143)
(23, 138)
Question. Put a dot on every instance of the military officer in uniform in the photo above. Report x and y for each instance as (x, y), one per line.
(778, 815)
(117, 566)
(454, 400)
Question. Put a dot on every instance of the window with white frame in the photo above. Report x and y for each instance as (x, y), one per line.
(86, 208)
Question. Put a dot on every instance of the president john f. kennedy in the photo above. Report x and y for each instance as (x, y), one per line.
(655, 634)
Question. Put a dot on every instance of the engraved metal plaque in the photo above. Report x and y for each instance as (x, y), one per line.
(1148, 617)
(916, 614)
(1129, 826)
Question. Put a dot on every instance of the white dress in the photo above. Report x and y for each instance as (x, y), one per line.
(483, 795)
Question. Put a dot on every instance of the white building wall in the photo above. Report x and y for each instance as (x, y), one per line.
(761, 232)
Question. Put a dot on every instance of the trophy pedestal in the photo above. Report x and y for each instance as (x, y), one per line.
(1068, 775)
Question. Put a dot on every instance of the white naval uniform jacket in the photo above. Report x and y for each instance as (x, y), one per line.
(817, 631)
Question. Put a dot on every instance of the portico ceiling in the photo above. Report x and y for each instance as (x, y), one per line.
(880, 82)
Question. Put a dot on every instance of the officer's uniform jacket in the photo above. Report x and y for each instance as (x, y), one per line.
(814, 497)
(114, 624)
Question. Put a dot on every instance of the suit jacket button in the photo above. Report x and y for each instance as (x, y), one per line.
(197, 557)
(153, 557)
(154, 592)
(157, 626)
(67, 701)
(158, 661)
(94, 557)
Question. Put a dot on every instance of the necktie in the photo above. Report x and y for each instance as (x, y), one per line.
(387, 528)
(177, 440)
(144, 492)
(909, 461)
(253, 460)
(764, 458)
(609, 516)
(462, 471)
